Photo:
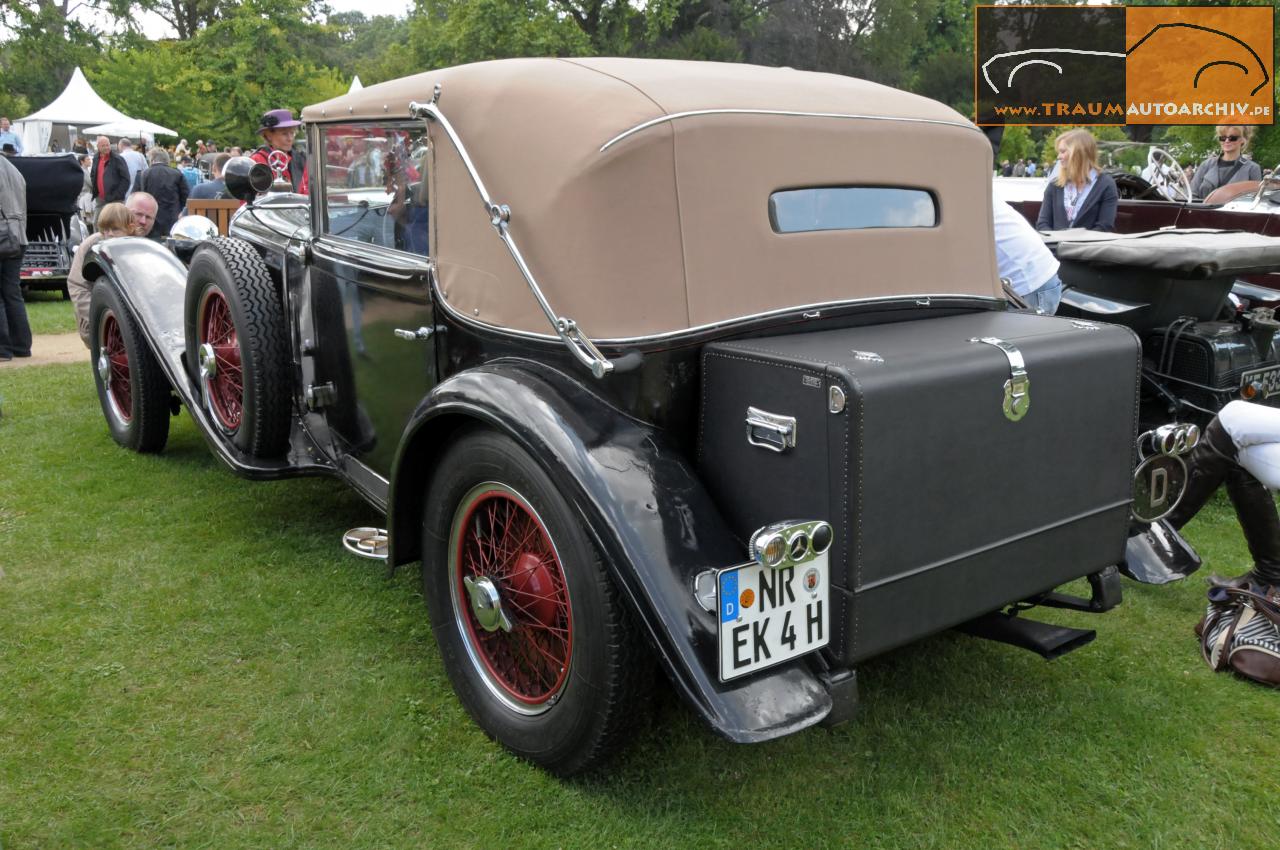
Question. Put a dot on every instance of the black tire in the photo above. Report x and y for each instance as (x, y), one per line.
(247, 392)
(132, 388)
(567, 724)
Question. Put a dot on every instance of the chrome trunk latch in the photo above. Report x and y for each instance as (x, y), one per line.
(1017, 390)
(770, 431)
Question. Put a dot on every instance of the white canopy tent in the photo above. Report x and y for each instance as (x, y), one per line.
(356, 85)
(133, 128)
(70, 113)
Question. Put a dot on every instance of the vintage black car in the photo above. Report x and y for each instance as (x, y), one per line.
(649, 363)
(53, 227)
(1180, 291)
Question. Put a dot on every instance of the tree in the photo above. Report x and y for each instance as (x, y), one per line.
(451, 32)
(1016, 144)
(188, 16)
(374, 48)
(37, 64)
(219, 82)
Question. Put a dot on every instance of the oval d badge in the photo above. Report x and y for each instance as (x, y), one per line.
(1158, 483)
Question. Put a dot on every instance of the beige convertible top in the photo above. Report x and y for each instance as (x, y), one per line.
(639, 189)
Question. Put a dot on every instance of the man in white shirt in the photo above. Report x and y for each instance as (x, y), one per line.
(8, 137)
(1023, 260)
(136, 161)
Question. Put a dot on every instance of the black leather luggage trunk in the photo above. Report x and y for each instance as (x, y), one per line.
(944, 507)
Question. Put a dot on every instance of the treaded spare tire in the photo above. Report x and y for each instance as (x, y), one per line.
(238, 346)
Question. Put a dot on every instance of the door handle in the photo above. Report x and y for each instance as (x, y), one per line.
(420, 333)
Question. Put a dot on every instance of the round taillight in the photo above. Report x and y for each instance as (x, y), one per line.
(773, 550)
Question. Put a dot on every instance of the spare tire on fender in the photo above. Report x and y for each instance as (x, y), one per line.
(238, 346)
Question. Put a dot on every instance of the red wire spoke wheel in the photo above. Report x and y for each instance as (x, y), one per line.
(511, 598)
(133, 390)
(225, 384)
(537, 642)
(117, 360)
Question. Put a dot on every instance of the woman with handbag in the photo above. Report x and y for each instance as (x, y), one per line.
(15, 329)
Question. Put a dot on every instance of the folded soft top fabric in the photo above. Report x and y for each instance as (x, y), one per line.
(1190, 254)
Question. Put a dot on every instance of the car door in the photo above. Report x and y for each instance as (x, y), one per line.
(370, 292)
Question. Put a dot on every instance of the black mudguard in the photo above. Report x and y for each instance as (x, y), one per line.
(647, 511)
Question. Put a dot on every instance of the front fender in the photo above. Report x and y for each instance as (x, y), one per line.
(153, 282)
(644, 506)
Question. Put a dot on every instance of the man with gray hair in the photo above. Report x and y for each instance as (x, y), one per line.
(169, 188)
(132, 158)
(142, 209)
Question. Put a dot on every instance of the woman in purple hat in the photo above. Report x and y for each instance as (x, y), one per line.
(278, 129)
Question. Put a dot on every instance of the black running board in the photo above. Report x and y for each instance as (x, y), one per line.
(1043, 639)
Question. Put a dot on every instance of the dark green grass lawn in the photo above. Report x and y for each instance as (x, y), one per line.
(190, 660)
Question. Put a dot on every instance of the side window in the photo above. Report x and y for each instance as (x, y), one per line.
(375, 184)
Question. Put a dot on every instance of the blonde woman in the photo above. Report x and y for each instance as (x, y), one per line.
(1230, 165)
(1080, 195)
(114, 220)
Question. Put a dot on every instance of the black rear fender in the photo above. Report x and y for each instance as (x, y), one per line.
(645, 509)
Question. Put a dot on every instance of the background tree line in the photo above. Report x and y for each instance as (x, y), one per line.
(231, 60)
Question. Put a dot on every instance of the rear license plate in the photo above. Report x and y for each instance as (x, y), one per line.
(770, 615)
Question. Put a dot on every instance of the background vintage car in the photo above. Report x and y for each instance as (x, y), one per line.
(686, 364)
(54, 183)
(1197, 281)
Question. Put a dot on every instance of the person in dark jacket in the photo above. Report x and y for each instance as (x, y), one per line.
(110, 175)
(167, 185)
(1079, 195)
(217, 187)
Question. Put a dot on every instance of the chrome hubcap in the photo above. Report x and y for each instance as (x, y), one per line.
(208, 361)
(104, 367)
(486, 604)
